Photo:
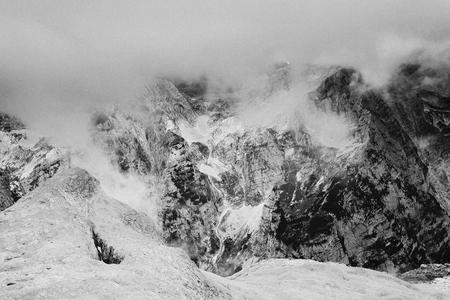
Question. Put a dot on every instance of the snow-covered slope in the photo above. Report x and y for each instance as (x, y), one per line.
(306, 279)
(48, 248)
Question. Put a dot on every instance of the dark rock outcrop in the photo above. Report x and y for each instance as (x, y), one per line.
(6, 197)
(106, 253)
(376, 211)
(9, 123)
(24, 165)
(190, 207)
(427, 273)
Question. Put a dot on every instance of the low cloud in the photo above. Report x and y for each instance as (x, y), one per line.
(293, 109)
(129, 188)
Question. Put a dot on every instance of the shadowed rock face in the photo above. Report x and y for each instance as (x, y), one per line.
(9, 123)
(419, 96)
(377, 211)
(6, 197)
(421, 99)
(190, 206)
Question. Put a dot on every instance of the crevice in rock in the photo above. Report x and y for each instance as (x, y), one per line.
(106, 253)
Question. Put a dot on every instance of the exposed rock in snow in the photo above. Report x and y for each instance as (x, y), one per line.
(6, 196)
(436, 275)
(25, 161)
(426, 273)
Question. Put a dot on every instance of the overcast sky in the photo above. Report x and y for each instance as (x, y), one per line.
(57, 55)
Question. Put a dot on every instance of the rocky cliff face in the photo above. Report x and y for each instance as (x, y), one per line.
(233, 194)
(420, 101)
(376, 209)
(25, 161)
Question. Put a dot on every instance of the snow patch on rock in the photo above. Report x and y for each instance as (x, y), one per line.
(246, 217)
(199, 132)
(210, 171)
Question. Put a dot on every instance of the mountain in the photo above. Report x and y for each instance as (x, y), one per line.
(233, 194)
(238, 191)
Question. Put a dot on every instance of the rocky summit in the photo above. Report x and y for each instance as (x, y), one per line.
(272, 206)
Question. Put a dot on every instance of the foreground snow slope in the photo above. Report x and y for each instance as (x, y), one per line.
(308, 279)
(50, 242)
(48, 251)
